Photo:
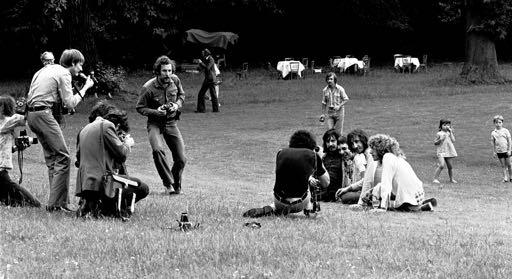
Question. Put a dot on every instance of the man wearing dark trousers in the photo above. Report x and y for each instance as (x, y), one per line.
(160, 100)
(207, 64)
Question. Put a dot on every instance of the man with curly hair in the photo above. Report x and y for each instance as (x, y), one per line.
(160, 100)
(298, 168)
(390, 181)
(358, 144)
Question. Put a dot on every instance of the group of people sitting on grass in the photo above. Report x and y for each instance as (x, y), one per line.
(357, 170)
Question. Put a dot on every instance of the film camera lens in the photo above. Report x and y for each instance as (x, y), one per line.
(24, 141)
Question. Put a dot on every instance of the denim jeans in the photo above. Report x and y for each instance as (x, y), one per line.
(170, 135)
(285, 208)
(335, 120)
(56, 154)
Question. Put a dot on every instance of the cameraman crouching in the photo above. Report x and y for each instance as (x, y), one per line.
(298, 168)
(100, 150)
(11, 194)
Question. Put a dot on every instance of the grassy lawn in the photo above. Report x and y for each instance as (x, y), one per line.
(230, 168)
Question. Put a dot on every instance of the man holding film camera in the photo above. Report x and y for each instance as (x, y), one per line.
(299, 174)
(160, 100)
(51, 87)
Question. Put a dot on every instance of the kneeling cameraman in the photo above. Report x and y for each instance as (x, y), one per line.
(299, 171)
(11, 194)
(99, 151)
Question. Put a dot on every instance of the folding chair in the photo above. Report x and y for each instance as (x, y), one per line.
(305, 62)
(272, 72)
(407, 64)
(243, 71)
(366, 65)
(423, 63)
(294, 69)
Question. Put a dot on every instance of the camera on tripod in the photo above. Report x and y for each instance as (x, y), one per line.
(23, 141)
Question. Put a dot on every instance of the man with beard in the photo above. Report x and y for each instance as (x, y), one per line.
(336, 161)
(160, 100)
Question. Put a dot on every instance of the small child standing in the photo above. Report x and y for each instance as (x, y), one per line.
(501, 146)
(445, 149)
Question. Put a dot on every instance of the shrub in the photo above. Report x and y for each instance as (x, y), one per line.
(109, 79)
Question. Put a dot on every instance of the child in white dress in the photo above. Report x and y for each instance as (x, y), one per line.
(445, 149)
(501, 146)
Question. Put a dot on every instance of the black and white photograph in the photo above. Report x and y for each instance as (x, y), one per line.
(256, 139)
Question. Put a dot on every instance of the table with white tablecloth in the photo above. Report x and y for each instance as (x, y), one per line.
(345, 63)
(284, 67)
(400, 61)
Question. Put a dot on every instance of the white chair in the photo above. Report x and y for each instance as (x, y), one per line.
(294, 69)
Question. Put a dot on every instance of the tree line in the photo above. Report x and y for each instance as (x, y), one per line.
(131, 33)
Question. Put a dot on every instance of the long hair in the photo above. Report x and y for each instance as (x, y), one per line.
(442, 122)
(328, 135)
(383, 144)
(7, 105)
(331, 74)
(302, 139)
(363, 137)
(163, 60)
(70, 57)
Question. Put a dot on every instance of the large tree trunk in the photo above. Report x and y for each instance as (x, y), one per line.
(80, 32)
(481, 65)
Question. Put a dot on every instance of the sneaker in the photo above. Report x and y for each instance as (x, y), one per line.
(259, 212)
(177, 189)
(433, 201)
(505, 180)
(169, 190)
(427, 207)
(454, 181)
(436, 181)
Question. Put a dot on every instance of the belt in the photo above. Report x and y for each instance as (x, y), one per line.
(284, 200)
(39, 108)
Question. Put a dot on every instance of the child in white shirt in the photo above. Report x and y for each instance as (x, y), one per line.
(445, 149)
(501, 146)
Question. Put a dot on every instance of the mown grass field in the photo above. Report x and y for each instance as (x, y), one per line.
(231, 168)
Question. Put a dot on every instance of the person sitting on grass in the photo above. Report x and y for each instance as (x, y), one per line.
(358, 143)
(99, 148)
(11, 193)
(390, 182)
(298, 168)
(336, 160)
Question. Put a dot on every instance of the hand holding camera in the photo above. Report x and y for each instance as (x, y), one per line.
(23, 141)
(128, 140)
